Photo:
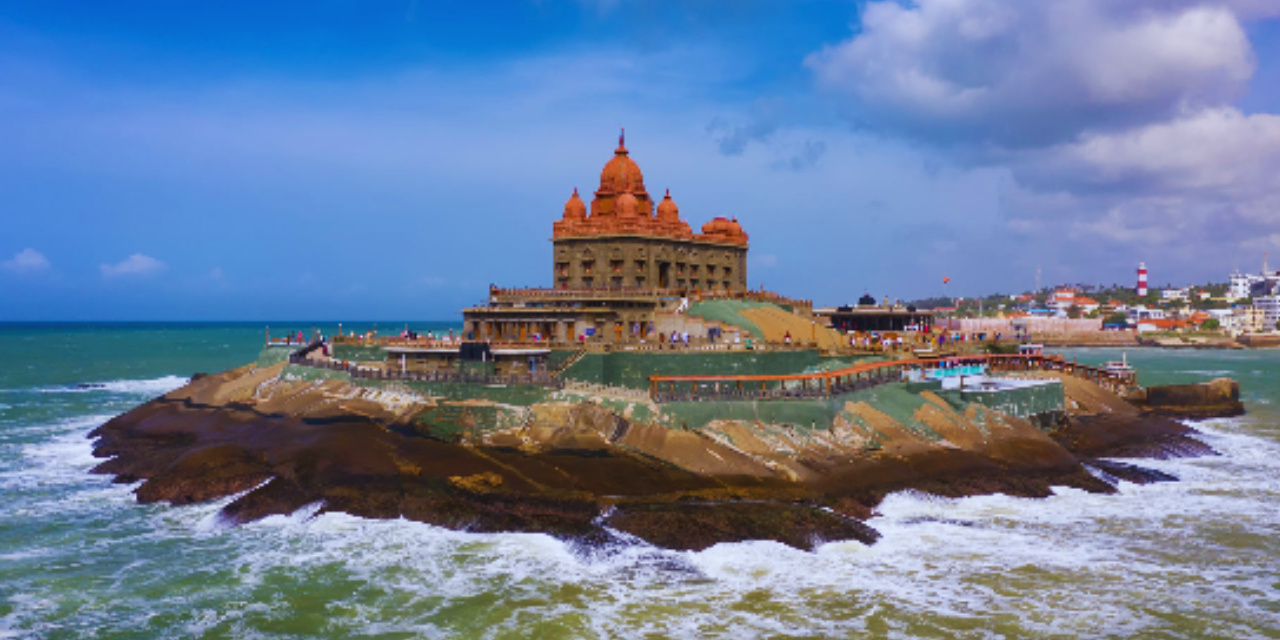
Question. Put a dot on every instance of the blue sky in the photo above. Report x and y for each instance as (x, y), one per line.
(337, 160)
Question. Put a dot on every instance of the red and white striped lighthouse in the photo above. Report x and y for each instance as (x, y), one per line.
(1142, 279)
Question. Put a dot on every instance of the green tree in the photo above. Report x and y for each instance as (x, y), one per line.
(1211, 324)
(1073, 311)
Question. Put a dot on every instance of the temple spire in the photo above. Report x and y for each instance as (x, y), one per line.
(622, 141)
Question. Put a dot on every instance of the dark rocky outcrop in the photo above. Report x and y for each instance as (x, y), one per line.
(580, 471)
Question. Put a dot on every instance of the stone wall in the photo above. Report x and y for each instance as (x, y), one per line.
(1023, 402)
(640, 262)
(632, 369)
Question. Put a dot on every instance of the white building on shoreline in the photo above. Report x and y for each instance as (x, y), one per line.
(1270, 308)
(1248, 285)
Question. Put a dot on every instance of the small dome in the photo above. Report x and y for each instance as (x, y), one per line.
(723, 229)
(621, 174)
(721, 225)
(575, 208)
(667, 209)
(626, 206)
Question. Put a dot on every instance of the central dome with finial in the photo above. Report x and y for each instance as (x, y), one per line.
(621, 174)
(622, 207)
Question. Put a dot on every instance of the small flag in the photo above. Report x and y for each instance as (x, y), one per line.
(945, 280)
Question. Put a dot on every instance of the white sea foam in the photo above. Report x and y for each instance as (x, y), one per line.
(1212, 373)
(1095, 563)
(65, 453)
(148, 387)
(1075, 564)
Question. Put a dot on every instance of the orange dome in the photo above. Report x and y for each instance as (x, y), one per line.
(721, 225)
(621, 174)
(667, 209)
(575, 208)
(626, 206)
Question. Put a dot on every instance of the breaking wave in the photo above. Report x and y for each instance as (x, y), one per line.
(148, 387)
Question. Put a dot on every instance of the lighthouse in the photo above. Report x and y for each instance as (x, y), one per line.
(1142, 279)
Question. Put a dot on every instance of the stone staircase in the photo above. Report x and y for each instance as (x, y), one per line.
(568, 362)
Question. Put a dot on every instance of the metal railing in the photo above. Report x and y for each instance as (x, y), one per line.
(538, 379)
(673, 388)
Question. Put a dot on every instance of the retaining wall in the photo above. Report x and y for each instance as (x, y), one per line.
(632, 369)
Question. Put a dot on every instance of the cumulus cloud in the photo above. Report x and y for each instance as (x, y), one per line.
(26, 261)
(1115, 118)
(1220, 151)
(1203, 180)
(135, 265)
(1016, 73)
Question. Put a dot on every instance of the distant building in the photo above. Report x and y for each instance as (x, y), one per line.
(1270, 308)
(1141, 312)
(1249, 319)
(1241, 285)
(1063, 299)
(875, 318)
(1226, 318)
(1248, 285)
(1175, 294)
(1162, 324)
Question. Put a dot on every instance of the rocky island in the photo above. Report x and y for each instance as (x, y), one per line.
(582, 463)
(648, 392)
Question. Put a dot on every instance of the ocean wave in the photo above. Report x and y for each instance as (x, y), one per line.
(63, 457)
(1096, 564)
(151, 387)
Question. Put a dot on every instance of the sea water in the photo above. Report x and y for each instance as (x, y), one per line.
(79, 558)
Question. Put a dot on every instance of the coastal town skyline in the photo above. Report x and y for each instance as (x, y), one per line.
(335, 163)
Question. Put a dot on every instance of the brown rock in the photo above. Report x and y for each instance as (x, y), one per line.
(1214, 399)
(557, 473)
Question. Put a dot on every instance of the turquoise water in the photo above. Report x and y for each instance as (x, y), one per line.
(955, 372)
(80, 559)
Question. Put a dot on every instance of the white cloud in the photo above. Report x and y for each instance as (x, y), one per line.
(26, 261)
(1017, 73)
(1204, 179)
(135, 265)
(1216, 151)
(1114, 118)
